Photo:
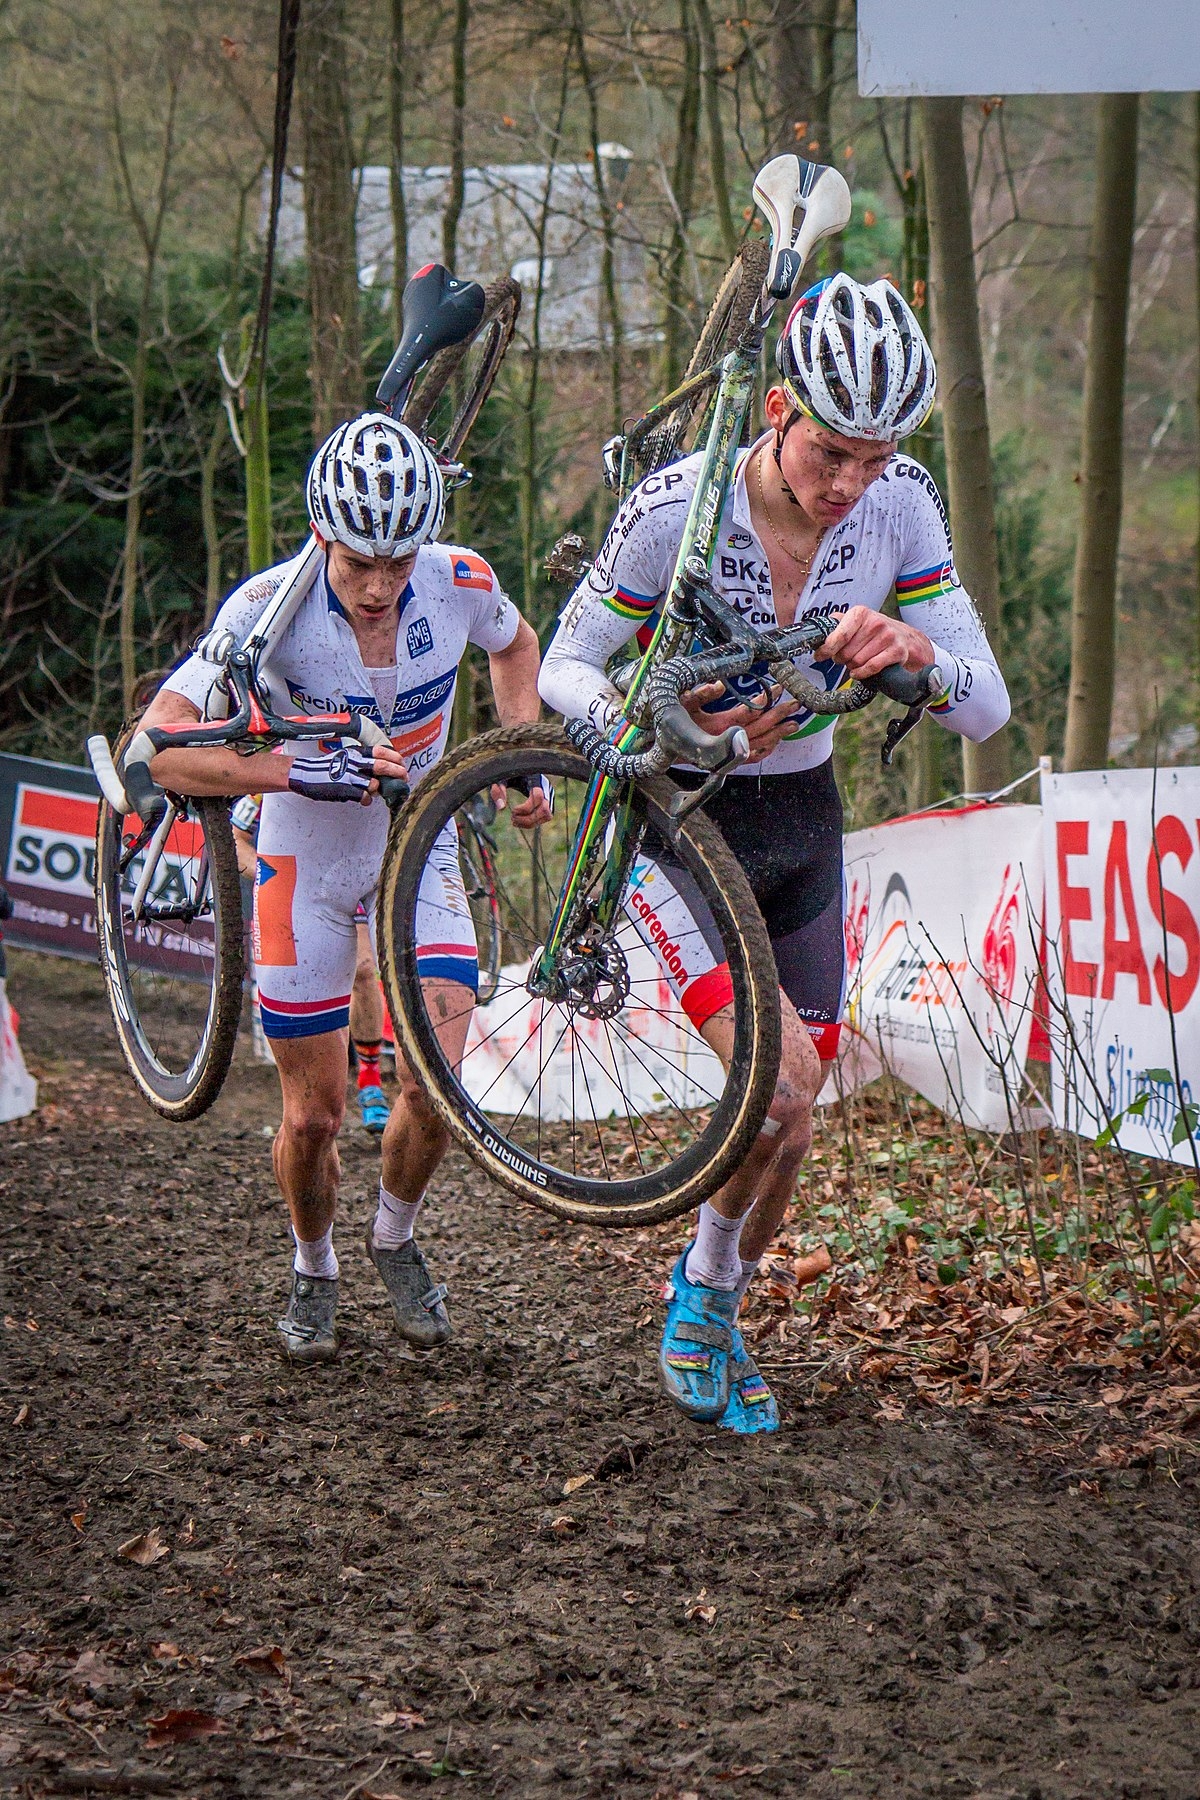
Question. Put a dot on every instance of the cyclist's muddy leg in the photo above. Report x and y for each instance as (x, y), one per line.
(415, 1140)
(312, 1074)
(767, 1178)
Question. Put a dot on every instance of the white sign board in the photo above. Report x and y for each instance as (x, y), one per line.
(942, 919)
(1027, 47)
(1122, 904)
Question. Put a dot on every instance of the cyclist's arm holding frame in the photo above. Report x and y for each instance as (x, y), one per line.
(513, 672)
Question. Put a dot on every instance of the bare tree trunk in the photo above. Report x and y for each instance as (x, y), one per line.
(148, 224)
(329, 216)
(608, 264)
(456, 187)
(679, 321)
(794, 74)
(1094, 597)
(964, 397)
(528, 465)
(716, 131)
(399, 204)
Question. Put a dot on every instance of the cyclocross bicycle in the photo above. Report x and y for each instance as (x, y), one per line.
(584, 1087)
(168, 897)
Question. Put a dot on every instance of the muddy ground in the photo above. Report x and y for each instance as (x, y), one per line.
(368, 1578)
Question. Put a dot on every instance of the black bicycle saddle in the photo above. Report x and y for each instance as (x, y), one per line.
(437, 310)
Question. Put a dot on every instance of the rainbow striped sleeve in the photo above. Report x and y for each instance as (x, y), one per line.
(926, 584)
(628, 605)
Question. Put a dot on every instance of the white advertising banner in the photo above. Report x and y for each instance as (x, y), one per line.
(18, 1089)
(943, 913)
(1123, 954)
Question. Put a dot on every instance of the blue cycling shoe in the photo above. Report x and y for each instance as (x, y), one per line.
(751, 1403)
(697, 1340)
(375, 1109)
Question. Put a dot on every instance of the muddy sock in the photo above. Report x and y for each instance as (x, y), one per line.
(713, 1259)
(367, 1052)
(749, 1271)
(394, 1220)
(315, 1256)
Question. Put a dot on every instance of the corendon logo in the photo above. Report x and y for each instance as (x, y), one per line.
(1000, 940)
(668, 951)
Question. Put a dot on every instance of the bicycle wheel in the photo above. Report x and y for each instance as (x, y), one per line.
(728, 316)
(607, 1103)
(174, 977)
(479, 879)
(445, 403)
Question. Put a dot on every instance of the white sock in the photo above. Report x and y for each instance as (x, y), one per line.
(713, 1259)
(315, 1257)
(749, 1271)
(394, 1220)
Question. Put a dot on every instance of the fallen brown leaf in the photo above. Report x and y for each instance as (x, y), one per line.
(189, 1441)
(267, 1659)
(180, 1727)
(164, 1652)
(701, 1608)
(21, 1414)
(573, 1485)
(92, 1672)
(144, 1550)
(392, 1720)
(77, 1518)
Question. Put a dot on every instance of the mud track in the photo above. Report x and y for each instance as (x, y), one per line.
(368, 1579)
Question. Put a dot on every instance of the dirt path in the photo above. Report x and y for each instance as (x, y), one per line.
(373, 1580)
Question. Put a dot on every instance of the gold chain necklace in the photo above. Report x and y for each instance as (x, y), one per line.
(805, 562)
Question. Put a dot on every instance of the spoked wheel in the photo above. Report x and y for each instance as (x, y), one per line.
(475, 846)
(174, 974)
(446, 400)
(728, 317)
(607, 1101)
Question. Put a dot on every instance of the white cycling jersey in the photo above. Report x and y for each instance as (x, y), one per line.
(897, 536)
(317, 860)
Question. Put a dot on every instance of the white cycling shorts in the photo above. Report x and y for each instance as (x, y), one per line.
(306, 893)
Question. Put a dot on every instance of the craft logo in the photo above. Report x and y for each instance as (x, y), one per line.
(420, 638)
(471, 572)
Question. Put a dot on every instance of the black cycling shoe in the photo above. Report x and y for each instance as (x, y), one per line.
(418, 1304)
(307, 1325)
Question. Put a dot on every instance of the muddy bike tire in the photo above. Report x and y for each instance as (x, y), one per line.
(179, 1073)
(512, 1147)
(725, 326)
(475, 364)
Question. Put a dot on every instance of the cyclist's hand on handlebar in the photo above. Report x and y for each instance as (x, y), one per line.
(526, 813)
(865, 642)
(387, 760)
(766, 721)
(347, 774)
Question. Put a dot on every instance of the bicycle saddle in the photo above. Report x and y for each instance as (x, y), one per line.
(437, 310)
(788, 183)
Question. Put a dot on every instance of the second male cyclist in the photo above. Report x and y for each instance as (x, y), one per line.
(823, 516)
(381, 632)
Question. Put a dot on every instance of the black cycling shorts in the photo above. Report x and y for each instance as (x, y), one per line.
(786, 831)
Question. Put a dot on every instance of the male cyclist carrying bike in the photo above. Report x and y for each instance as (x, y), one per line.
(381, 632)
(823, 516)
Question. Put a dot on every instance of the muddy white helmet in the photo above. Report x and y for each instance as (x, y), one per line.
(375, 487)
(856, 359)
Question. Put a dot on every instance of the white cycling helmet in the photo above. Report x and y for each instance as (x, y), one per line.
(375, 487)
(856, 359)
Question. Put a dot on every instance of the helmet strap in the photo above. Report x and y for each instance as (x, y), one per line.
(777, 449)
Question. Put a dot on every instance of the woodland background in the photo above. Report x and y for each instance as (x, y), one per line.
(136, 144)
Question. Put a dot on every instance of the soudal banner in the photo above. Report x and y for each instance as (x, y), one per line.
(48, 825)
(48, 830)
(943, 915)
(1123, 955)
